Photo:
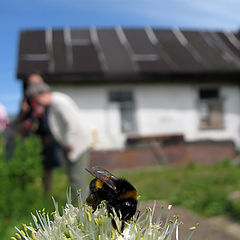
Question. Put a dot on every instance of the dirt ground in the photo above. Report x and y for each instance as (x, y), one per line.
(217, 228)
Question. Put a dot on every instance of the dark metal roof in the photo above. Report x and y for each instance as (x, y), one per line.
(85, 54)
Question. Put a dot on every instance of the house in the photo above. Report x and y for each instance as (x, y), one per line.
(132, 82)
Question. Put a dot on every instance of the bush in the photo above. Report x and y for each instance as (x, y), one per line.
(20, 180)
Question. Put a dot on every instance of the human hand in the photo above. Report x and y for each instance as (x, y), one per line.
(94, 141)
(24, 106)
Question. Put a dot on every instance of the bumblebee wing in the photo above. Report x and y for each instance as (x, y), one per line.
(103, 175)
(101, 172)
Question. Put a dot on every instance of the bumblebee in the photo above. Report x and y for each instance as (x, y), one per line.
(118, 193)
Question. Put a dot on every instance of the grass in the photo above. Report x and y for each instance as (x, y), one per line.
(200, 188)
(203, 189)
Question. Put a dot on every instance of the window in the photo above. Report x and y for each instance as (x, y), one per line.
(125, 101)
(210, 108)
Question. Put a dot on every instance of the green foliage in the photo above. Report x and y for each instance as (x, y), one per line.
(203, 189)
(234, 204)
(20, 180)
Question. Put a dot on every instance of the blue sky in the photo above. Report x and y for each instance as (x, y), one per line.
(30, 14)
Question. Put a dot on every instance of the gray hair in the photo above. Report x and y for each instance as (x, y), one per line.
(37, 88)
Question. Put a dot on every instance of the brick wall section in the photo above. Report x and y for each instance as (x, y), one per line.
(210, 152)
(206, 152)
(129, 158)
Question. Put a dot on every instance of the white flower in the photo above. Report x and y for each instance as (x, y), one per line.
(80, 223)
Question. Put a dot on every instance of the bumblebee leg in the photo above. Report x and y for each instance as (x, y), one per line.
(111, 215)
(138, 214)
(116, 228)
(118, 214)
(122, 226)
(94, 207)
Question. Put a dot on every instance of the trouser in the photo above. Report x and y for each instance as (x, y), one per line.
(77, 174)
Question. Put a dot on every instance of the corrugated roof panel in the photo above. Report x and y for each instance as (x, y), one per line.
(26, 67)
(32, 42)
(80, 36)
(144, 52)
(238, 35)
(158, 66)
(59, 52)
(85, 59)
(209, 50)
(181, 58)
(32, 52)
(227, 54)
(231, 41)
(116, 55)
(220, 49)
(139, 41)
(127, 51)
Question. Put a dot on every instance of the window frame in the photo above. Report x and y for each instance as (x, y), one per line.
(210, 101)
(122, 105)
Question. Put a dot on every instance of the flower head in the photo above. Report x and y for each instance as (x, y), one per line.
(81, 223)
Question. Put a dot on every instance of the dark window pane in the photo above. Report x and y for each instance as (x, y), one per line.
(210, 108)
(126, 106)
(127, 117)
(209, 93)
(120, 96)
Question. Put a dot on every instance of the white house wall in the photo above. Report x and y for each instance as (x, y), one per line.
(97, 113)
(231, 109)
(160, 109)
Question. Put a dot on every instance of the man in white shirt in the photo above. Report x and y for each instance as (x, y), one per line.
(67, 128)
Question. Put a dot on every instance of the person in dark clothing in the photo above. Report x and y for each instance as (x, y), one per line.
(52, 154)
(32, 119)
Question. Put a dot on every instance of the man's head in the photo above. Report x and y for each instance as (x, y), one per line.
(34, 77)
(40, 92)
